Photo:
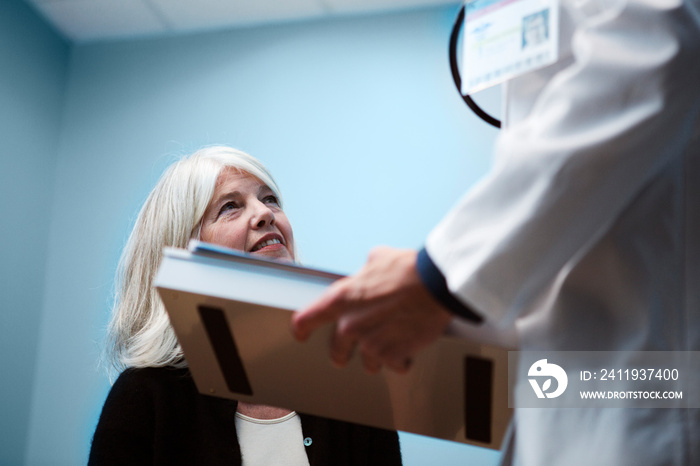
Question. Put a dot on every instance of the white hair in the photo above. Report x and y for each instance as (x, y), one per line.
(139, 333)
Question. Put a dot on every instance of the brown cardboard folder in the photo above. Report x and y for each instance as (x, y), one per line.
(231, 314)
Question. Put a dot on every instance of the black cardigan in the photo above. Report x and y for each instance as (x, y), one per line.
(155, 416)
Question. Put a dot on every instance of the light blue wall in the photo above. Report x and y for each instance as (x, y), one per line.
(33, 69)
(357, 118)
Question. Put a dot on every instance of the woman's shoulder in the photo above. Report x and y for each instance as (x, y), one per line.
(154, 375)
(153, 382)
(152, 410)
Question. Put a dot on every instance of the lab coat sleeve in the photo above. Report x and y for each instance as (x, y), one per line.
(598, 132)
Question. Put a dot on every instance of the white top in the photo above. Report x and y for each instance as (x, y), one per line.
(266, 442)
(586, 233)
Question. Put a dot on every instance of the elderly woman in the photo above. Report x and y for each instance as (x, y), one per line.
(154, 414)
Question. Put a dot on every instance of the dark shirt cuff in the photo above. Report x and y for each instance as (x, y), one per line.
(435, 282)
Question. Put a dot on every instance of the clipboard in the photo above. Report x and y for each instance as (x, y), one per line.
(231, 314)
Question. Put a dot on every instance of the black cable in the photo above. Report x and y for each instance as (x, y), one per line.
(454, 36)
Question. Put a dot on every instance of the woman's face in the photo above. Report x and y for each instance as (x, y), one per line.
(245, 214)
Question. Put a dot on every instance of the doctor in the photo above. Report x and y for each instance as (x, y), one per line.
(585, 236)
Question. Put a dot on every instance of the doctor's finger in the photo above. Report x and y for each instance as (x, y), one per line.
(391, 350)
(328, 308)
(349, 330)
(371, 363)
(342, 345)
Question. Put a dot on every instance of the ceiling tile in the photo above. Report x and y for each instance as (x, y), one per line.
(209, 14)
(357, 6)
(89, 20)
(85, 20)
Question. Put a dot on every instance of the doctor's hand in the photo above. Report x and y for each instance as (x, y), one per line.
(384, 312)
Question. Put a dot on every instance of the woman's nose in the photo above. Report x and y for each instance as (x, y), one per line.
(262, 215)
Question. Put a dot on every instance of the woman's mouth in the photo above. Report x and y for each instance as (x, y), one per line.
(266, 243)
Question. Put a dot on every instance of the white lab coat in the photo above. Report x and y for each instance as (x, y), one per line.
(586, 234)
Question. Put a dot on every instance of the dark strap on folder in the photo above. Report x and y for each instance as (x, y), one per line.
(478, 398)
(225, 349)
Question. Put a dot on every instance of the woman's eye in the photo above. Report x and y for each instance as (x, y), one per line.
(271, 199)
(231, 205)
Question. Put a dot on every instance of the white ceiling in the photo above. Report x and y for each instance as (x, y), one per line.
(94, 20)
